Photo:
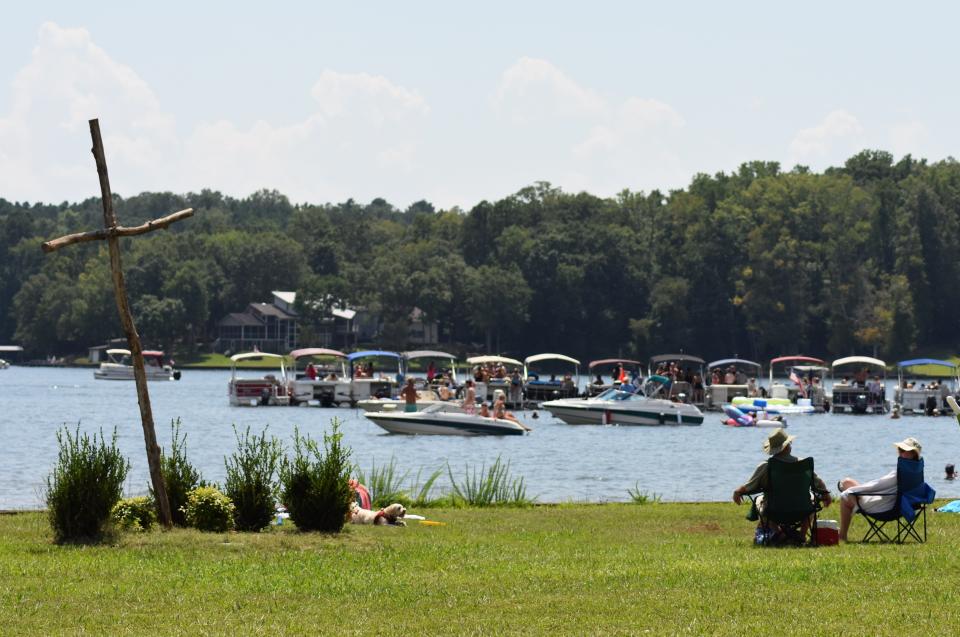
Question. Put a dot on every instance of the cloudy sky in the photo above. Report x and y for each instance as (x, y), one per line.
(457, 103)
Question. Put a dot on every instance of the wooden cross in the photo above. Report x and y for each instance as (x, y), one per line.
(111, 233)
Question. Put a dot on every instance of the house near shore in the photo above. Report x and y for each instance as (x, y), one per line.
(277, 327)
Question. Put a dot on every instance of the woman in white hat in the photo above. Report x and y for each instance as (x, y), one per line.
(849, 504)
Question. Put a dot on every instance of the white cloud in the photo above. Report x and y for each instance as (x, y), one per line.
(363, 136)
(341, 94)
(532, 89)
(818, 142)
(593, 135)
(68, 81)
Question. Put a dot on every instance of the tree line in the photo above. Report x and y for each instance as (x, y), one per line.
(758, 262)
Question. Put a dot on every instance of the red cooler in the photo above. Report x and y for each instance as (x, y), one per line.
(828, 532)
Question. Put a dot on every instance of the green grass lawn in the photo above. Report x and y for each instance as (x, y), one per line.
(569, 569)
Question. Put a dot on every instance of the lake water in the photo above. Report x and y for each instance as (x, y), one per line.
(559, 462)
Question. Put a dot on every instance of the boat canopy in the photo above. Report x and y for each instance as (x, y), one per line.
(732, 361)
(481, 360)
(608, 361)
(545, 357)
(680, 358)
(119, 352)
(245, 356)
(370, 353)
(316, 351)
(426, 353)
(152, 352)
(866, 360)
(798, 359)
(11, 348)
(925, 361)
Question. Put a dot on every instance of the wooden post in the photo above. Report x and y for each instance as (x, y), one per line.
(111, 233)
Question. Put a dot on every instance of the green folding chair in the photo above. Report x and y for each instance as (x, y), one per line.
(791, 502)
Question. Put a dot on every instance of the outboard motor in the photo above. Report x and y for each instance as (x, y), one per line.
(264, 396)
(930, 407)
(860, 404)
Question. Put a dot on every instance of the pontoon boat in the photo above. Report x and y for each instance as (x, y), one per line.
(538, 386)
(735, 375)
(615, 368)
(863, 391)
(324, 378)
(929, 395)
(267, 390)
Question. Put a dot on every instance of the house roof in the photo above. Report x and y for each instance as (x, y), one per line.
(268, 309)
(239, 319)
(287, 297)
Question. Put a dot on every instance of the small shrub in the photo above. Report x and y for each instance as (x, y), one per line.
(209, 510)
(642, 497)
(135, 514)
(314, 483)
(493, 487)
(85, 484)
(250, 484)
(179, 475)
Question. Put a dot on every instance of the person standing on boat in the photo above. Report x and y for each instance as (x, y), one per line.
(311, 371)
(409, 395)
(469, 398)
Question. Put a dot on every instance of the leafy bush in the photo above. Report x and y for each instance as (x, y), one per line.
(250, 484)
(180, 476)
(85, 484)
(314, 483)
(209, 510)
(493, 487)
(135, 514)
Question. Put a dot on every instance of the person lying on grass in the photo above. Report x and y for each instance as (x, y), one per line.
(780, 447)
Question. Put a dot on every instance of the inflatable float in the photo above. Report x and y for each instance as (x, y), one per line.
(738, 418)
(775, 406)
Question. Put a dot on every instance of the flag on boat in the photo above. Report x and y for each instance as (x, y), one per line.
(796, 379)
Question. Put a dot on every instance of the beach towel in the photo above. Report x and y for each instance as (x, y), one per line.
(950, 507)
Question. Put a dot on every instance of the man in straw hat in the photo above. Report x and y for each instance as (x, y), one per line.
(849, 504)
(779, 446)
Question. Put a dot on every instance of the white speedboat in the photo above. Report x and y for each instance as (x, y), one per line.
(616, 407)
(444, 420)
(269, 389)
(4, 364)
(119, 366)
